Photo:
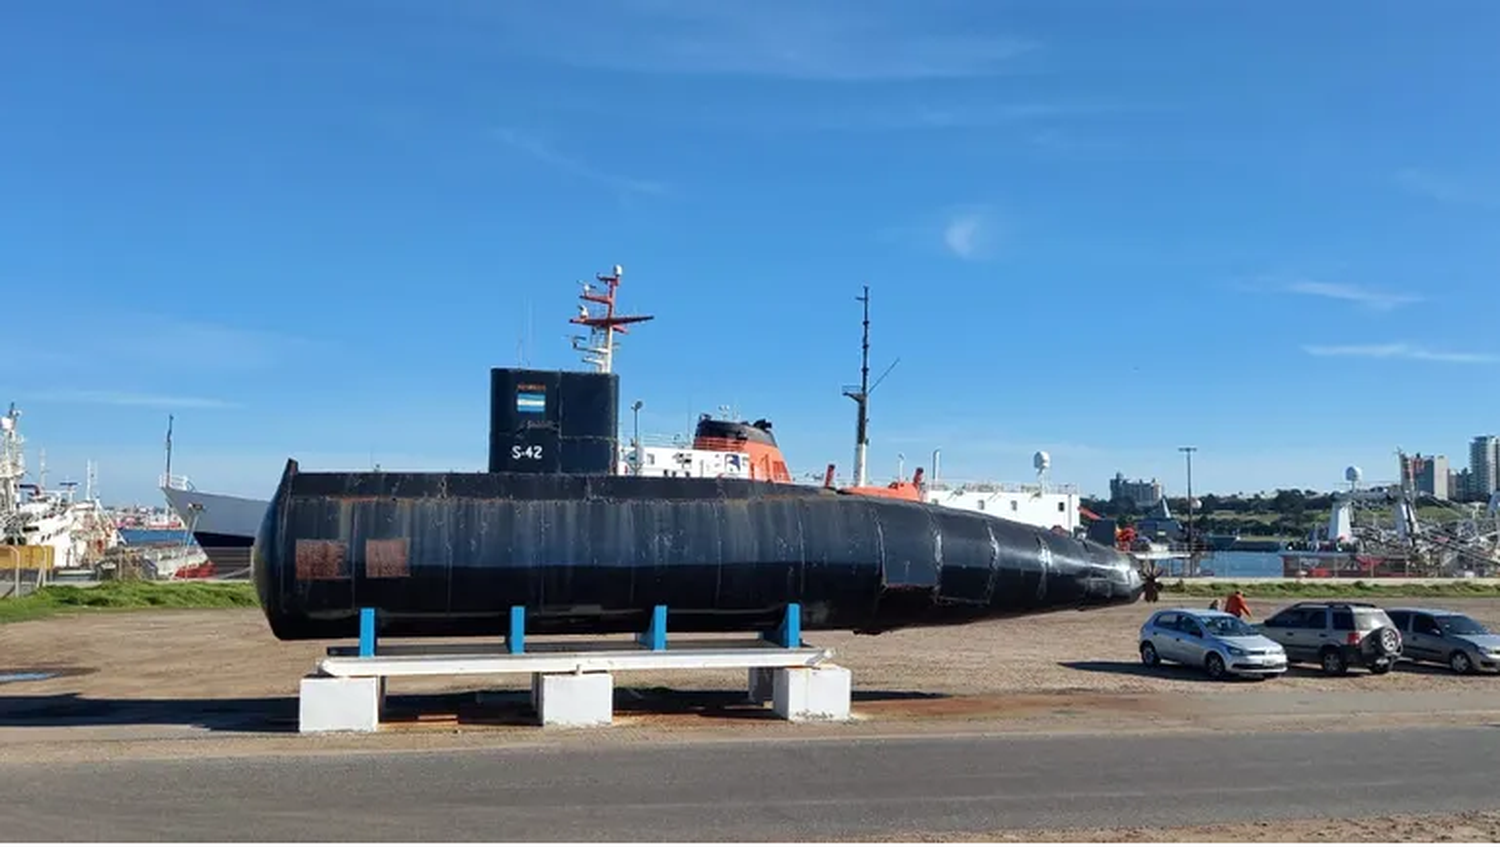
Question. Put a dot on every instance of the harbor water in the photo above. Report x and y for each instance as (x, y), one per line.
(1238, 564)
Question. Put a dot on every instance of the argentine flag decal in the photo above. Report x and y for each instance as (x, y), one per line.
(533, 403)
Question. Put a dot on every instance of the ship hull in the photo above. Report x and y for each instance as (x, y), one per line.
(449, 554)
(222, 525)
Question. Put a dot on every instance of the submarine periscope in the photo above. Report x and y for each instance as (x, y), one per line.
(554, 526)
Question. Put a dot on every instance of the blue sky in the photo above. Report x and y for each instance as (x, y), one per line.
(1102, 229)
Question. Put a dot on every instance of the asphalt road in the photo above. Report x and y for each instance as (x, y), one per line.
(765, 790)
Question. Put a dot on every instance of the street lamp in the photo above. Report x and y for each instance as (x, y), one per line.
(636, 457)
(1189, 453)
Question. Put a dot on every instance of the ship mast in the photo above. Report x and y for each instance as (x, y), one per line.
(12, 470)
(861, 397)
(600, 349)
(861, 394)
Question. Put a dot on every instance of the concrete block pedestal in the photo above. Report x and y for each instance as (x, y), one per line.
(822, 693)
(340, 704)
(569, 699)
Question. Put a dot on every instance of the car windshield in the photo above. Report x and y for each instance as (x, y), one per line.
(1229, 627)
(1368, 619)
(1461, 625)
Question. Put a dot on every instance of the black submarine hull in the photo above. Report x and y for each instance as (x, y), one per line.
(449, 554)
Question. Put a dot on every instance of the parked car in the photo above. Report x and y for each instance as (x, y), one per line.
(1336, 635)
(1219, 643)
(1450, 638)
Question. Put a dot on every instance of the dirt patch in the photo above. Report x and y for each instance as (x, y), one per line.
(1468, 827)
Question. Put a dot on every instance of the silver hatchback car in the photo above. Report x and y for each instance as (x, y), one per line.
(1445, 637)
(1218, 642)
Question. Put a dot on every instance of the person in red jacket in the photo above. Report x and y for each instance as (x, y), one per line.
(1236, 605)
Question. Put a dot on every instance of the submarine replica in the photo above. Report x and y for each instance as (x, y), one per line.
(557, 526)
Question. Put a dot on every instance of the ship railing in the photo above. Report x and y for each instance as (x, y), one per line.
(176, 482)
(677, 441)
(990, 487)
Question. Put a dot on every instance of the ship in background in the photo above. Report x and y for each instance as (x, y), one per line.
(42, 530)
(740, 449)
(223, 526)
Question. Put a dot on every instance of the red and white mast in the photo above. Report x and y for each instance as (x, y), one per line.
(600, 350)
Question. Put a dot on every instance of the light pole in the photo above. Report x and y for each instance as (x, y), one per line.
(636, 454)
(1188, 451)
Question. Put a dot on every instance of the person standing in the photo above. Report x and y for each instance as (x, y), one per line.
(1236, 605)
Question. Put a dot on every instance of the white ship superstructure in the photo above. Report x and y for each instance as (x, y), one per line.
(76, 532)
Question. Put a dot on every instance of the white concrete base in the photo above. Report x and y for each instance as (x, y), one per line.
(333, 704)
(812, 694)
(584, 699)
(761, 685)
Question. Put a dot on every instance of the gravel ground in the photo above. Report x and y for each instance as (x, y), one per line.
(1469, 828)
(1068, 664)
(231, 653)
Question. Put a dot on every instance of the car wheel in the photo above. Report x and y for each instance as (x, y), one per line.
(1333, 662)
(1148, 655)
(1381, 667)
(1214, 664)
(1460, 663)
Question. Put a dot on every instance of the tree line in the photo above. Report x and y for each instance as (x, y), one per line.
(1289, 512)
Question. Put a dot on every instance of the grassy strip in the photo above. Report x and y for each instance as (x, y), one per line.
(1352, 589)
(128, 595)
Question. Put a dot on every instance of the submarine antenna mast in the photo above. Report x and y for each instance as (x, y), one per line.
(600, 348)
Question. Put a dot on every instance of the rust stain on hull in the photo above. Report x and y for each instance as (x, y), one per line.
(319, 559)
(386, 558)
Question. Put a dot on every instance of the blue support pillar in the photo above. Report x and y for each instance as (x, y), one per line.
(515, 642)
(655, 637)
(788, 633)
(366, 632)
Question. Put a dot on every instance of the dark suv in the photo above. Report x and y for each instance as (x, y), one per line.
(1336, 635)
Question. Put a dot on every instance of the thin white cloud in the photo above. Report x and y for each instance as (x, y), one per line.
(1369, 297)
(833, 40)
(969, 234)
(1397, 350)
(1447, 189)
(539, 150)
(128, 398)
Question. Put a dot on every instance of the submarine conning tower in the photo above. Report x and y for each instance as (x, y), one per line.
(553, 422)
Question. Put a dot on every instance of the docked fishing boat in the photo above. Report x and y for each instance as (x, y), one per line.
(43, 530)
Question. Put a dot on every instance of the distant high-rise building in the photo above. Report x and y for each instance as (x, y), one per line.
(1432, 477)
(1484, 464)
(1425, 475)
(1138, 492)
(1463, 485)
